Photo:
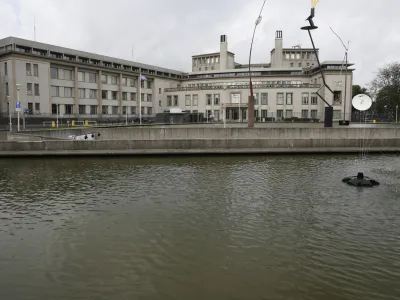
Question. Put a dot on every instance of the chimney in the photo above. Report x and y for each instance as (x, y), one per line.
(223, 61)
(277, 59)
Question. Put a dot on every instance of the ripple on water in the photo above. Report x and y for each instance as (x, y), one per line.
(223, 228)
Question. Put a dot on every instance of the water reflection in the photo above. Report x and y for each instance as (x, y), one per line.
(221, 228)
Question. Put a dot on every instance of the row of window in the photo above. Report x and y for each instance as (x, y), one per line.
(65, 74)
(192, 100)
(304, 55)
(300, 65)
(204, 61)
(93, 109)
(239, 83)
(68, 92)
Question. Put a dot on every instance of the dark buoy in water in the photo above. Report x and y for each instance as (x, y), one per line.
(360, 180)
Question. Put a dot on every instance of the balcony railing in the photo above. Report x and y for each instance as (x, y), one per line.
(242, 86)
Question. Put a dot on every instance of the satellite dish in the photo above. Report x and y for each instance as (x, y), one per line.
(362, 102)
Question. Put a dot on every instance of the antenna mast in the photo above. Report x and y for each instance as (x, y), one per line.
(34, 28)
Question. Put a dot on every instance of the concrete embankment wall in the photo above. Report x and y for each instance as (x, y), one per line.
(193, 146)
(186, 133)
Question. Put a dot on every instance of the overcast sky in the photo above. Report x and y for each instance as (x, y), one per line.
(167, 33)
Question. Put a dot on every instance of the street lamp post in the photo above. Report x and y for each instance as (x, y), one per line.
(18, 88)
(250, 122)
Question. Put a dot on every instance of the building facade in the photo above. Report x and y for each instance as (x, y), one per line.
(49, 80)
(285, 88)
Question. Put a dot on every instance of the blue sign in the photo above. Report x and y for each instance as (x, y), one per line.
(18, 106)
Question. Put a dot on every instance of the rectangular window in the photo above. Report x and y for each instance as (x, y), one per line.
(287, 55)
(142, 110)
(124, 96)
(35, 70)
(5, 69)
(81, 76)
(337, 97)
(264, 114)
(149, 111)
(289, 114)
(176, 101)
(29, 89)
(149, 98)
(68, 92)
(114, 80)
(115, 110)
(195, 100)
(169, 100)
(68, 75)
(28, 69)
(304, 113)
(132, 82)
(81, 93)
(114, 95)
(55, 91)
(188, 100)
(54, 109)
(37, 108)
(216, 99)
(133, 110)
(256, 99)
(279, 114)
(279, 99)
(289, 98)
(209, 99)
(142, 97)
(104, 110)
(159, 91)
(54, 73)
(104, 94)
(30, 108)
(124, 81)
(133, 96)
(149, 84)
(124, 110)
(37, 89)
(93, 94)
(68, 109)
(314, 99)
(304, 98)
(142, 84)
(93, 109)
(92, 77)
(7, 89)
(104, 79)
(264, 98)
(82, 109)
(314, 114)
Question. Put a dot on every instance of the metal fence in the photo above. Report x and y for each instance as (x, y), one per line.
(46, 120)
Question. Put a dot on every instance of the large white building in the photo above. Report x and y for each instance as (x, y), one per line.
(84, 85)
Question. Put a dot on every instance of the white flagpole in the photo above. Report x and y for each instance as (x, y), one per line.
(140, 98)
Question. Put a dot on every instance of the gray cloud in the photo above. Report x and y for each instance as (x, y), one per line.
(168, 32)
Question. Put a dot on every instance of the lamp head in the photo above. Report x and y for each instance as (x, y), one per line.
(8, 99)
(18, 86)
(258, 21)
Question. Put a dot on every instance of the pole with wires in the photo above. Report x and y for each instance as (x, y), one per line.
(250, 123)
(345, 61)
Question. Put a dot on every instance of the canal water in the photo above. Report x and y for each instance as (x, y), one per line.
(272, 227)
